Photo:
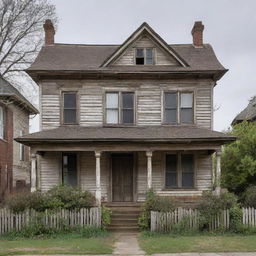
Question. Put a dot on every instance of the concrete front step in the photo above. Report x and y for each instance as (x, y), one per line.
(124, 216)
(124, 221)
(126, 212)
(124, 204)
(123, 229)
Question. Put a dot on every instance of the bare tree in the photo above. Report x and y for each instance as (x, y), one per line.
(21, 32)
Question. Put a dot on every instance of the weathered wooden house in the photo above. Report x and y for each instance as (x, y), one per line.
(14, 157)
(117, 120)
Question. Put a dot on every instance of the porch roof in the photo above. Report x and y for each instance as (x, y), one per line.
(174, 134)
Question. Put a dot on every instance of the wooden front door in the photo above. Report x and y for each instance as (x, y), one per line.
(122, 177)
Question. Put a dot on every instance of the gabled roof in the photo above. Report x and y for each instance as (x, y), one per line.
(94, 59)
(142, 30)
(172, 134)
(248, 114)
(8, 91)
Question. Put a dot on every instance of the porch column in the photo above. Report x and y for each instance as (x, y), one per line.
(218, 172)
(149, 168)
(33, 173)
(98, 187)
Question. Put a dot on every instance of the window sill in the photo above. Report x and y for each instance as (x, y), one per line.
(70, 124)
(119, 125)
(179, 189)
(191, 124)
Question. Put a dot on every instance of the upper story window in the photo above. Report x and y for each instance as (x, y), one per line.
(179, 172)
(144, 56)
(69, 108)
(1, 122)
(178, 108)
(120, 108)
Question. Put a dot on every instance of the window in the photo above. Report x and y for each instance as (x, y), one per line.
(179, 172)
(22, 149)
(186, 108)
(178, 108)
(171, 171)
(1, 122)
(127, 108)
(171, 108)
(112, 108)
(69, 169)
(144, 56)
(69, 108)
(120, 108)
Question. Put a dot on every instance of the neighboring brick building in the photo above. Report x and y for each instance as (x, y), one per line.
(14, 157)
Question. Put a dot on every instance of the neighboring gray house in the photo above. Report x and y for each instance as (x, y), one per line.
(248, 114)
(117, 120)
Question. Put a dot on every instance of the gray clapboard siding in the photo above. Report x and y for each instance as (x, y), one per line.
(204, 107)
(204, 171)
(161, 57)
(141, 176)
(149, 105)
(148, 101)
(50, 170)
(88, 174)
(91, 113)
(50, 116)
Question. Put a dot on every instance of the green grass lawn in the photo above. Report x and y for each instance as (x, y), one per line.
(64, 245)
(197, 243)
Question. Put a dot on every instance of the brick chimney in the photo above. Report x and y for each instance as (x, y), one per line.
(197, 33)
(49, 32)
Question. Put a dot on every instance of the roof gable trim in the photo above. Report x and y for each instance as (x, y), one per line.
(142, 29)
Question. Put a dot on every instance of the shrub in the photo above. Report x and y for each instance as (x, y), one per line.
(249, 197)
(18, 203)
(88, 232)
(236, 216)
(39, 230)
(58, 197)
(105, 216)
(211, 205)
(154, 203)
(70, 198)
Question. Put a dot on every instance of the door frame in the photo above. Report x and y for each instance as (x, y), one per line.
(134, 173)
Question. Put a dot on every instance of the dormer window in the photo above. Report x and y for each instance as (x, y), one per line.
(144, 56)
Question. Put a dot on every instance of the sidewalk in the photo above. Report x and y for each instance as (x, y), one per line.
(208, 254)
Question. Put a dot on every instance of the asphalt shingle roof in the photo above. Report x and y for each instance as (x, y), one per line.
(7, 90)
(65, 57)
(154, 133)
(248, 114)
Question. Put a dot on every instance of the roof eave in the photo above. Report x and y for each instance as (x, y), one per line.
(223, 140)
(30, 108)
(35, 74)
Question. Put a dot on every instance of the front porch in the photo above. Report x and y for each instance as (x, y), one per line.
(120, 174)
(119, 164)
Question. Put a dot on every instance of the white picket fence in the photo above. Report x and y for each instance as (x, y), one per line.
(84, 217)
(163, 222)
(249, 217)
